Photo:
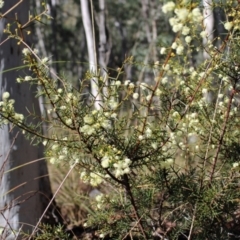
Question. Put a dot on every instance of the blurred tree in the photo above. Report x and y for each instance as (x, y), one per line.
(122, 29)
(25, 187)
(104, 46)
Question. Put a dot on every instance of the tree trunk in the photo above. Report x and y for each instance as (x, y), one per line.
(104, 45)
(92, 55)
(24, 190)
(208, 23)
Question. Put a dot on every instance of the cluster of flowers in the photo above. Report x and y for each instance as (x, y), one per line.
(94, 179)
(184, 16)
(96, 120)
(185, 21)
(63, 104)
(28, 54)
(1, 3)
(181, 22)
(59, 150)
(120, 165)
(147, 134)
(111, 159)
(7, 110)
(100, 199)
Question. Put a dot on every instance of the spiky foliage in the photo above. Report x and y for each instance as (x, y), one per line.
(166, 151)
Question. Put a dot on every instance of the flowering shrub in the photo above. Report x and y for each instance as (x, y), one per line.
(167, 150)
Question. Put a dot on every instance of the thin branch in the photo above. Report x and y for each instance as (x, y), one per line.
(192, 223)
(222, 133)
(130, 195)
(54, 196)
(6, 158)
(13, 7)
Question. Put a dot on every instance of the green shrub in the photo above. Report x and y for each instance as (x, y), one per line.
(166, 151)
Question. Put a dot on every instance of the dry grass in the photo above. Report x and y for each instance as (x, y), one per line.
(72, 198)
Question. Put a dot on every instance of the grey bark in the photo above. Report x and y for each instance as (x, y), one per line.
(25, 191)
